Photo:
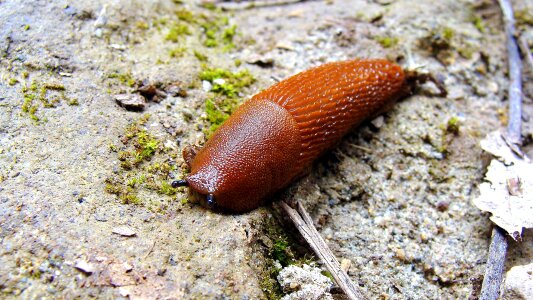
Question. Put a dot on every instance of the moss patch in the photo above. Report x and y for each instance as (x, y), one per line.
(279, 250)
(177, 52)
(387, 41)
(214, 28)
(226, 88)
(444, 43)
(145, 167)
(176, 31)
(124, 78)
(37, 95)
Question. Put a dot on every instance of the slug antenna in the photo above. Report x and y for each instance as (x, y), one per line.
(179, 183)
(211, 201)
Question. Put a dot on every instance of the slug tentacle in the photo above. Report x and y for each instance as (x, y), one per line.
(179, 183)
(210, 199)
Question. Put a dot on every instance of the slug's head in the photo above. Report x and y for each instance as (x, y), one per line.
(250, 157)
(205, 199)
(209, 198)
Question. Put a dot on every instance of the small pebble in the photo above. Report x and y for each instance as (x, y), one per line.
(85, 267)
(443, 205)
(346, 264)
(219, 81)
(124, 231)
(132, 102)
(378, 122)
(206, 86)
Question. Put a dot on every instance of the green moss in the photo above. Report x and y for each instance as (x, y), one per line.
(441, 42)
(141, 25)
(478, 23)
(185, 15)
(281, 253)
(387, 41)
(213, 28)
(132, 182)
(447, 33)
(176, 31)
(160, 168)
(130, 198)
(166, 189)
(216, 115)
(124, 78)
(233, 82)
(328, 275)
(139, 147)
(524, 17)
(38, 95)
(147, 145)
(73, 102)
(201, 57)
(449, 130)
(217, 31)
(112, 187)
(453, 126)
(278, 250)
(208, 5)
(226, 86)
(158, 23)
(177, 52)
(466, 51)
(54, 87)
(13, 81)
(227, 36)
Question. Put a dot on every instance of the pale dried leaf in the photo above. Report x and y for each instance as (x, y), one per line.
(508, 192)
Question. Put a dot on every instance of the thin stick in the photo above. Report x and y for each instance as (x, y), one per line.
(515, 75)
(307, 229)
(494, 271)
(492, 281)
(230, 5)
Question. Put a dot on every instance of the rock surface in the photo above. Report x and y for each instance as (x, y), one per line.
(519, 282)
(304, 282)
(74, 165)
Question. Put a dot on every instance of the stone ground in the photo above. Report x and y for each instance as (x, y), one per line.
(393, 200)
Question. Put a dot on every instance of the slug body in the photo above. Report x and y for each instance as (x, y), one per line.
(276, 135)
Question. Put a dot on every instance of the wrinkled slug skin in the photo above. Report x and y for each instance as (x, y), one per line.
(278, 133)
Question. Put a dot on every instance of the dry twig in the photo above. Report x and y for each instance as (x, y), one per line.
(243, 5)
(498, 245)
(515, 75)
(495, 263)
(307, 229)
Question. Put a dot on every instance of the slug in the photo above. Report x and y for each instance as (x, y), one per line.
(271, 139)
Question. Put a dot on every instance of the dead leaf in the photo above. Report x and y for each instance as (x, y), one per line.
(508, 192)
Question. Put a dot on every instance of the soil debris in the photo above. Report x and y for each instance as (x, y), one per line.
(132, 102)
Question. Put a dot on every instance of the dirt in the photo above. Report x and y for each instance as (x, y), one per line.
(394, 198)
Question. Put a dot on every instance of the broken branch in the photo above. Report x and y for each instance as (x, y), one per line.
(305, 226)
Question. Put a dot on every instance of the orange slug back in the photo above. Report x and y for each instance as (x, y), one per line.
(328, 100)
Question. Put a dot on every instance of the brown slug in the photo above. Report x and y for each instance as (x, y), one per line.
(271, 139)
